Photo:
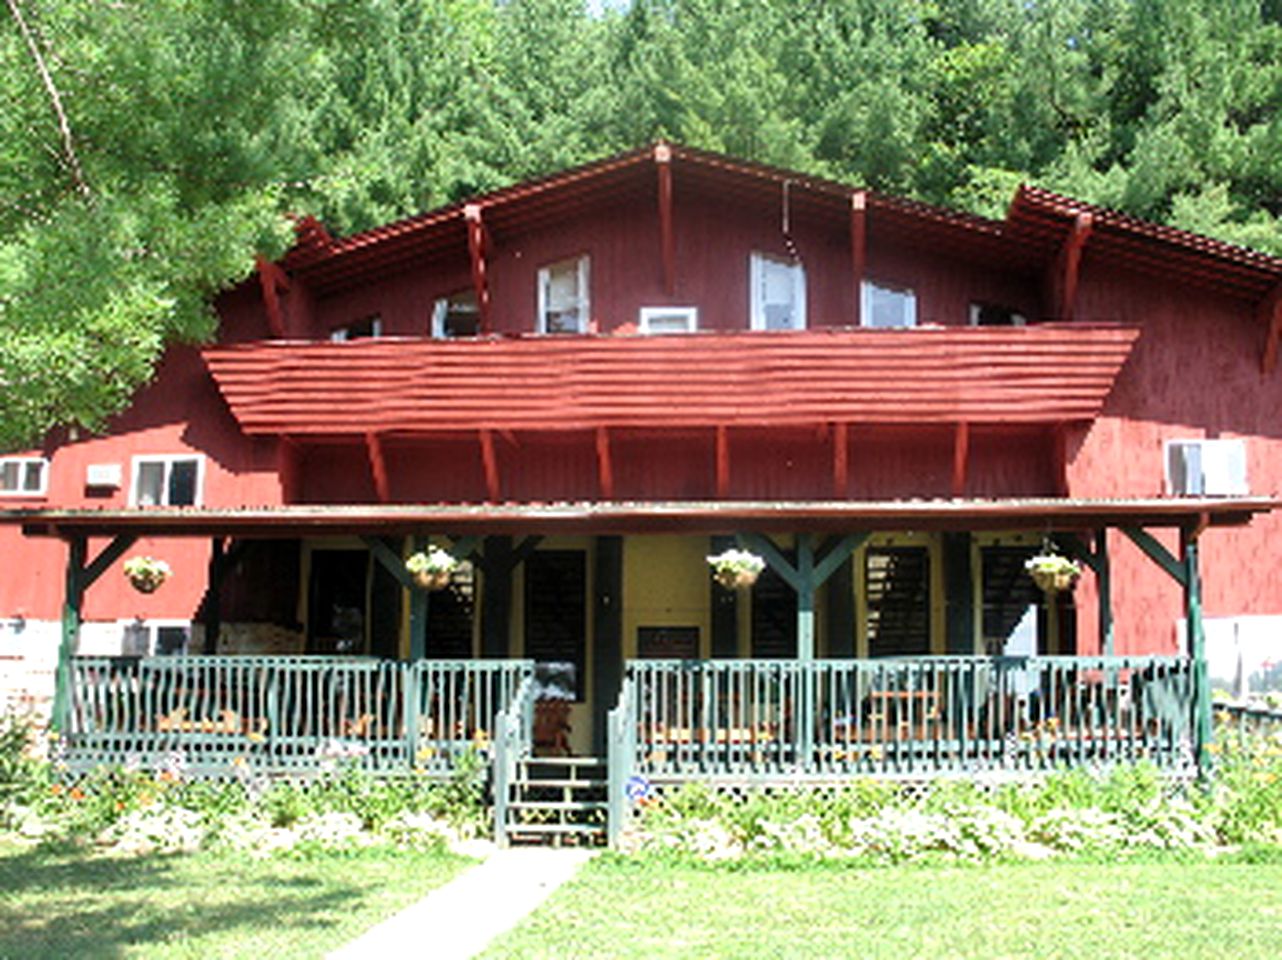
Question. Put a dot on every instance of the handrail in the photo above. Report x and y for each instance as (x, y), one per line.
(621, 733)
(286, 713)
(1250, 718)
(513, 742)
(909, 715)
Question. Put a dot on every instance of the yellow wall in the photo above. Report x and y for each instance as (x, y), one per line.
(666, 583)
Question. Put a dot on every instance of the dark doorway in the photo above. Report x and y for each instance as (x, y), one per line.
(897, 581)
(774, 615)
(336, 602)
(555, 621)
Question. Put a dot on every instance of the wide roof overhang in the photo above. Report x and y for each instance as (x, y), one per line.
(673, 517)
(1043, 374)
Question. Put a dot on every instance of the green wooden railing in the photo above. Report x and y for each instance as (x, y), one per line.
(922, 716)
(513, 742)
(300, 714)
(1248, 719)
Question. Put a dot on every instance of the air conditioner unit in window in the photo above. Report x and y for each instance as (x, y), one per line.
(103, 475)
(1213, 468)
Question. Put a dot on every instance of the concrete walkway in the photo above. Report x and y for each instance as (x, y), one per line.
(459, 920)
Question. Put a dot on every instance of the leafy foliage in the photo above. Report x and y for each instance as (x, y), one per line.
(196, 127)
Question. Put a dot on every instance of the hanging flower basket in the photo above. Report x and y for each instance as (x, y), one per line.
(431, 569)
(1053, 573)
(146, 574)
(736, 569)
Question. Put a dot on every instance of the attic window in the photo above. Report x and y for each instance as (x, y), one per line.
(1215, 468)
(371, 326)
(563, 296)
(995, 315)
(23, 476)
(456, 316)
(888, 307)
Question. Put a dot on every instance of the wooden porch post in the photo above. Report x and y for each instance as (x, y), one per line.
(1104, 587)
(213, 594)
(607, 635)
(79, 577)
(1197, 650)
(418, 613)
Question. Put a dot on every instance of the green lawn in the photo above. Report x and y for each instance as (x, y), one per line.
(75, 904)
(616, 909)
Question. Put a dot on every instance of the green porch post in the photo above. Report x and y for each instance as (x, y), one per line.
(418, 613)
(1104, 587)
(1197, 650)
(72, 601)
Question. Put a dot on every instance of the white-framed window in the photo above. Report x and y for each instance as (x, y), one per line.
(371, 326)
(888, 307)
(23, 476)
(456, 315)
(995, 315)
(777, 293)
(1206, 468)
(167, 481)
(155, 638)
(669, 319)
(564, 303)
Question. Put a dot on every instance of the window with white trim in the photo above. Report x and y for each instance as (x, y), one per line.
(1215, 468)
(888, 307)
(778, 293)
(563, 296)
(168, 481)
(669, 319)
(23, 476)
(371, 326)
(456, 315)
(155, 638)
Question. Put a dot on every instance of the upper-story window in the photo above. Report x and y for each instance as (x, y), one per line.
(23, 476)
(166, 481)
(563, 296)
(778, 293)
(888, 306)
(371, 326)
(669, 319)
(456, 315)
(1206, 468)
(995, 315)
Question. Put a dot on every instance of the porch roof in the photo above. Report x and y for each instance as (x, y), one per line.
(690, 517)
(1043, 374)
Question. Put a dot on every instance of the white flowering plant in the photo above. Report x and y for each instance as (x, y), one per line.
(147, 573)
(431, 568)
(736, 568)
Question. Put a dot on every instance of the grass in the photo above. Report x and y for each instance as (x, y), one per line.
(85, 904)
(1152, 910)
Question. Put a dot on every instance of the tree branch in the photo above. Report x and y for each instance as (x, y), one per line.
(68, 148)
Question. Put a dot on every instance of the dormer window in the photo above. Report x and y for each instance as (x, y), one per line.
(371, 326)
(456, 316)
(563, 296)
(1211, 468)
(778, 293)
(23, 476)
(888, 307)
(995, 315)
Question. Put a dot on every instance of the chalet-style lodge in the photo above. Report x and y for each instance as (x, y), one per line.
(570, 393)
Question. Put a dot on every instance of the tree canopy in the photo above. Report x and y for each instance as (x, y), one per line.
(150, 149)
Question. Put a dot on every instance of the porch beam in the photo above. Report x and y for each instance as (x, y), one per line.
(1097, 560)
(389, 560)
(490, 464)
(378, 467)
(418, 610)
(1059, 457)
(1197, 651)
(840, 460)
(476, 244)
(723, 464)
(1269, 315)
(1065, 273)
(272, 280)
(831, 557)
(106, 557)
(961, 457)
(858, 252)
(667, 245)
(806, 602)
(604, 465)
(466, 547)
(1158, 553)
(762, 544)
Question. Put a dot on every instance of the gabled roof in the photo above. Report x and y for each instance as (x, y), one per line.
(1049, 373)
(1031, 235)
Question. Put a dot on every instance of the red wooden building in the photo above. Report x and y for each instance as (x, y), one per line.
(583, 385)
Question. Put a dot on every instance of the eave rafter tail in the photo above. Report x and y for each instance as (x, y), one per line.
(1269, 315)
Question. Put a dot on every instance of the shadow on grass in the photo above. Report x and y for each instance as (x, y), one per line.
(59, 903)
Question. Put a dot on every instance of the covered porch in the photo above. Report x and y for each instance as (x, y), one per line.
(717, 715)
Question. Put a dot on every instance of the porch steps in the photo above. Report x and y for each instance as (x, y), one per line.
(558, 801)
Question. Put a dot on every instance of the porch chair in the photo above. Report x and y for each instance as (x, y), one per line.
(552, 728)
